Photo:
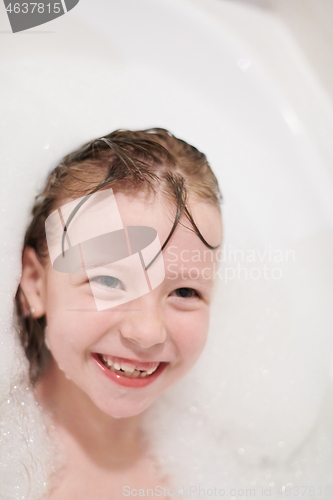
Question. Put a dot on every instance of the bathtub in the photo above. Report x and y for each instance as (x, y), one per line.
(260, 415)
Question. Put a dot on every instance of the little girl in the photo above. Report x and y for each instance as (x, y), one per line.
(114, 299)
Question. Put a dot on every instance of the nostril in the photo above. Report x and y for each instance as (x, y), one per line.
(131, 339)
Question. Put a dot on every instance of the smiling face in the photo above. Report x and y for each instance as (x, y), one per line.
(125, 355)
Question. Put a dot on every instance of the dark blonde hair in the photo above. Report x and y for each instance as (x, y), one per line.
(127, 161)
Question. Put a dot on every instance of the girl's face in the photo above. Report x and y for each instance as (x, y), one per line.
(124, 357)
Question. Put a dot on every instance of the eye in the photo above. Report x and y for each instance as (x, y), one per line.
(186, 293)
(108, 282)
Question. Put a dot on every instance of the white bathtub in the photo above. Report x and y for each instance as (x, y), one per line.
(178, 65)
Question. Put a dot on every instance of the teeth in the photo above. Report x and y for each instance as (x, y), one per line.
(127, 370)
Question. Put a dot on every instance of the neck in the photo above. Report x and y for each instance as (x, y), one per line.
(101, 436)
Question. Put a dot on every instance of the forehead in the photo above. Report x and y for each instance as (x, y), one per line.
(102, 217)
(159, 212)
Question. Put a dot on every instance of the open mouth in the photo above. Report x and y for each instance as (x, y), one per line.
(129, 373)
(127, 368)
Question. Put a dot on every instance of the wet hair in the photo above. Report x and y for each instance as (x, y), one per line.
(150, 160)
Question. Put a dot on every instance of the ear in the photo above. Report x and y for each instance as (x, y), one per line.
(33, 284)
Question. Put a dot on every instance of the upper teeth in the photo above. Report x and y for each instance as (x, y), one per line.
(129, 370)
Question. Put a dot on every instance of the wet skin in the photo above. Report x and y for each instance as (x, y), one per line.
(168, 325)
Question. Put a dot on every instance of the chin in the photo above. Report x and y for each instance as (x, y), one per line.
(123, 409)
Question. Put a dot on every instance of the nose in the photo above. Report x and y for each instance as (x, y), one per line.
(143, 323)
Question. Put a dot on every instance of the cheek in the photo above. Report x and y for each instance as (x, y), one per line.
(69, 322)
(191, 334)
(70, 333)
(79, 330)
